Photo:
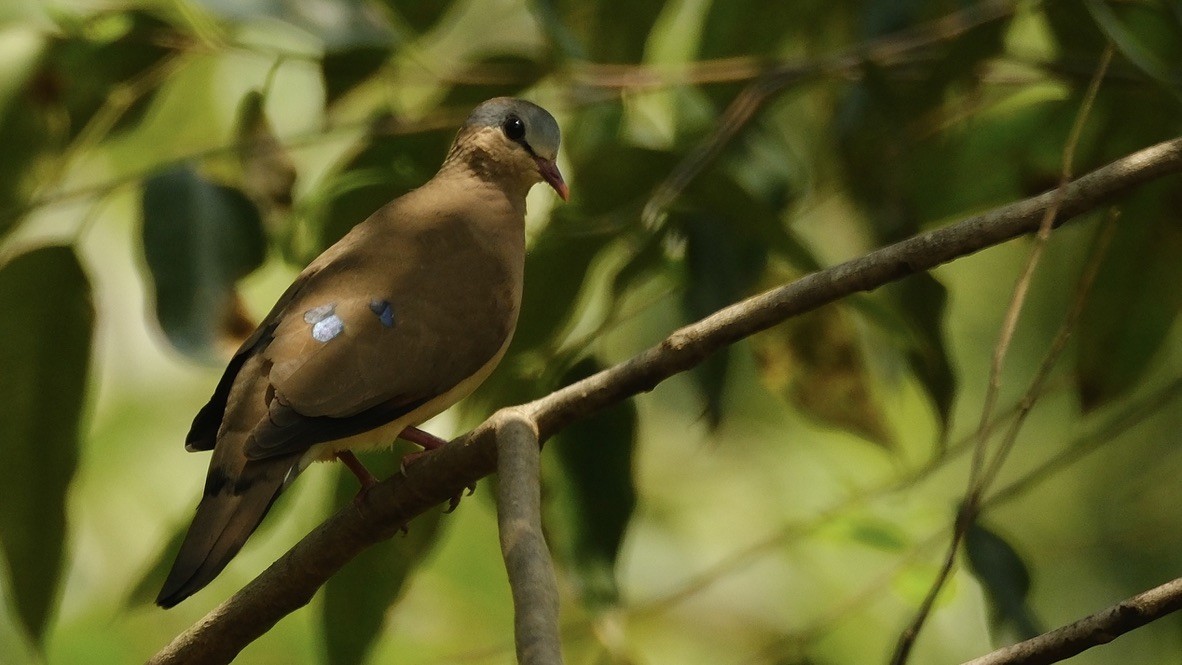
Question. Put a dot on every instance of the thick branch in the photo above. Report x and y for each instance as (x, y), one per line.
(290, 582)
(527, 559)
(1100, 628)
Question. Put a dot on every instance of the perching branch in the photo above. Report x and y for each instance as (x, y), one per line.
(290, 582)
(1100, 628)
(527, 559)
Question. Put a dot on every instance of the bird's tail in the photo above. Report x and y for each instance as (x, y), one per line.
(238, 494)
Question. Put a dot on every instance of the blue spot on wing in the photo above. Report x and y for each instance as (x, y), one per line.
(325, 323)
(328, 328)
(384, 312)
(318, 314)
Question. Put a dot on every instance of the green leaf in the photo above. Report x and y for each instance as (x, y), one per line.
(1135, 44)
(346, 68)
(743, 28)
(722, 265)
(603, 31)
(1125, 321)
(418, 16)
(83, 68)
(45, 344)
(27, 137)
(199, 239)
(922, 300)
(1005, 577)
(598, 495)
(358, 598)
(728, 233)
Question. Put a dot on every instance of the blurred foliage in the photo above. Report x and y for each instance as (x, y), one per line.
(194, 155)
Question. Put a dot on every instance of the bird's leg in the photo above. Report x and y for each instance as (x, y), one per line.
(364, 477)
(425, 439)
(429, 442)
(417, 436)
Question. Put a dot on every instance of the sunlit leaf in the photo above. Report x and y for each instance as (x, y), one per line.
(45, 339)
(359, 597)
(1124, 323)
(1005, 577)
(339, 24)
(598, 495)
(199, 239)
(816, 362)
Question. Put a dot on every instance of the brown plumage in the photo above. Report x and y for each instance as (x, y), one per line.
(402, 318)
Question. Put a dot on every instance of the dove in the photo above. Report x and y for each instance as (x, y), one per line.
(406, 315)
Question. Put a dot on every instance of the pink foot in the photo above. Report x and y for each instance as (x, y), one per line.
(364, 477)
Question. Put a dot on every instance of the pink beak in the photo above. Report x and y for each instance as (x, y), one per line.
(549, 171)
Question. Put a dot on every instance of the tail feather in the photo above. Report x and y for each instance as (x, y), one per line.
(233, 506)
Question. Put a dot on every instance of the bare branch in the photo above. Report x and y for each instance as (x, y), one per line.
(1100, 628)
(527, 560)
(290, 582)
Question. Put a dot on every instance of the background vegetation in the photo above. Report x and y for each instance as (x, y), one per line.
(167, 167)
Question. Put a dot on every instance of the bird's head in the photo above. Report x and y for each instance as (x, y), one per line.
(514, 138)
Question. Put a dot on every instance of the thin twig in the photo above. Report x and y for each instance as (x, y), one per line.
(290, 582)
(969, 506)
(527, 559)
(1083, 289)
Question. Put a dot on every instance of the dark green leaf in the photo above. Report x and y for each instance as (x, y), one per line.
(418, 16)
(345, 69)
(722, 265)
(1136, 298)
(27, 136)
(45, 339)
(199, 239)
(81, 70)
(1158, 60)
(743, 28)
(358, 598)
(604, 32)
(599, 497)
(1006, 579)
(921, 301)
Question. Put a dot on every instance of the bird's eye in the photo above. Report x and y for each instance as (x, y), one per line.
(514, 128)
